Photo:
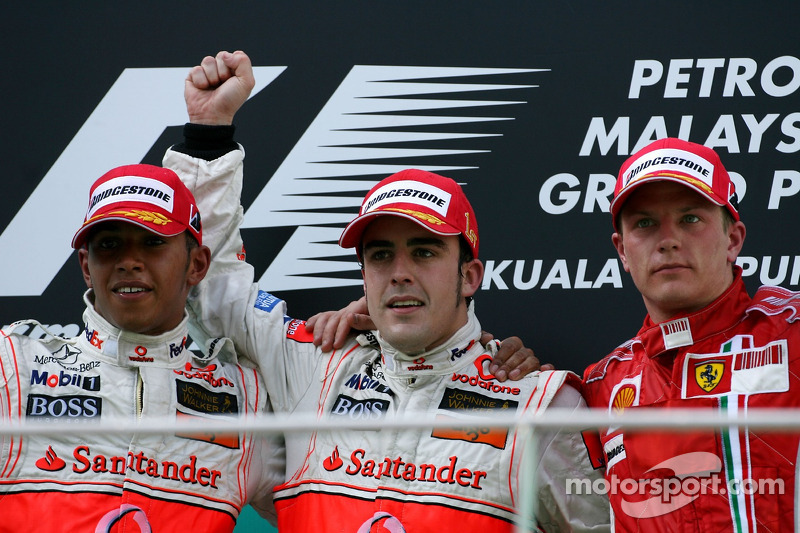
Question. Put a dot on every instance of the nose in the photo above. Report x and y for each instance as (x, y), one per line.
(402, 269)
(668, 237)
(129, 259)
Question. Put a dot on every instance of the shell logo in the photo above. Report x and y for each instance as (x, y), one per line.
(624, 398)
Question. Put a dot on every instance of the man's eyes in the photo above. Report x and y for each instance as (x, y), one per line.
(648, 222)
(106, 244)
(385, 255)
(111, 243)
(379, 255)
(423, 252)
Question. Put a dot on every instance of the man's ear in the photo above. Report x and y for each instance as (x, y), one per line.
(616, 238)
(736, 235)
(471, 275)
(199, 261)
(83, 259)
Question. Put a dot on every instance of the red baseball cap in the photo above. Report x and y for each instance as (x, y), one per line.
(684, 162)
(435, 202)
(146, 195)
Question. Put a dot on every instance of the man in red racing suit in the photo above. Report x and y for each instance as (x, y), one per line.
(719, 351)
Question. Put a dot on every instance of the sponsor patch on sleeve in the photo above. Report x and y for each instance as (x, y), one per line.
(296, 331)
(266, 302)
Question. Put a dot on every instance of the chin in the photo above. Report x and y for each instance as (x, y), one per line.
(407, 340)
(133, 326)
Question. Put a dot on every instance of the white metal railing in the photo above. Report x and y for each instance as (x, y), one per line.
(552, 418)
(768, 420)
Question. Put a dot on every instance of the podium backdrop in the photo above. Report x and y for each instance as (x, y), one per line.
(531, 105)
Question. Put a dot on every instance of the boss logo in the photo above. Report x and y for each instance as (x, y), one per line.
(69, 407)
(369, 409)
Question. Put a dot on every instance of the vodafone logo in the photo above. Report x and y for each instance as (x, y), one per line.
(479, 364)
(484, 379)
(206, 374)
(419, 364)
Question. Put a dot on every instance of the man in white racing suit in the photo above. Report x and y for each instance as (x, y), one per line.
(417, 238)
(140, 250)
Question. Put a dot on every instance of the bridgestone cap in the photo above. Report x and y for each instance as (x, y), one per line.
(684, 162)
(435, 202)
(148, 196)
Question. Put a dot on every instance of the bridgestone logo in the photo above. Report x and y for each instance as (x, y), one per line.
(410, 192)
(131, 189)
(672, 160)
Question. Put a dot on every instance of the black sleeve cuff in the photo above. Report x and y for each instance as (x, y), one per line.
(206, 142)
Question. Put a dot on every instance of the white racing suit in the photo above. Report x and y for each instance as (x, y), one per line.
(121, 482)
(463, 479)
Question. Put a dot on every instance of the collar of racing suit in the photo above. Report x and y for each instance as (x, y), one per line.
(458, 351)
(684, 330)
(123, 348)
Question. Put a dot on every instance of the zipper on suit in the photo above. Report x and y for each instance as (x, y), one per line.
(139, 395)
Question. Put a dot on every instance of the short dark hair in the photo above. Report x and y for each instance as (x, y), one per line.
(465, 256)
(191, 242)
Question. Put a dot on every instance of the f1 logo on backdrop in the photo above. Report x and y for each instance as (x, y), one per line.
(348, 138)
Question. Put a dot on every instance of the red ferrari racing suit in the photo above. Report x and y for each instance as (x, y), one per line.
(121, 482)
(735, 354)
(433, 480)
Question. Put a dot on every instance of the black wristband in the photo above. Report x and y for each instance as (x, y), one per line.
(206, 142)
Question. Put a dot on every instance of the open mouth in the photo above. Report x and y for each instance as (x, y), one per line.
(129, 290)
(405, 303)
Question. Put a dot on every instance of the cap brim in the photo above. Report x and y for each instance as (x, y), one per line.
(166, 230)
(351, 236)
(619, 201)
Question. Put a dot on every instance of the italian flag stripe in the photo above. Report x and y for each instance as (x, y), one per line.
(730, 440)
(731, 406)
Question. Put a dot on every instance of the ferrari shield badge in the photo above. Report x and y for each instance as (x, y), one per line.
(708, 375)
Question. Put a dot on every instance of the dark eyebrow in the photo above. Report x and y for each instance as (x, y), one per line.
(378, 244)
(426, 241)
(684, 209)
(414, 241)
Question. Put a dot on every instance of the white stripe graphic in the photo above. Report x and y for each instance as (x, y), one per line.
(121, 130)
(317, 182)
